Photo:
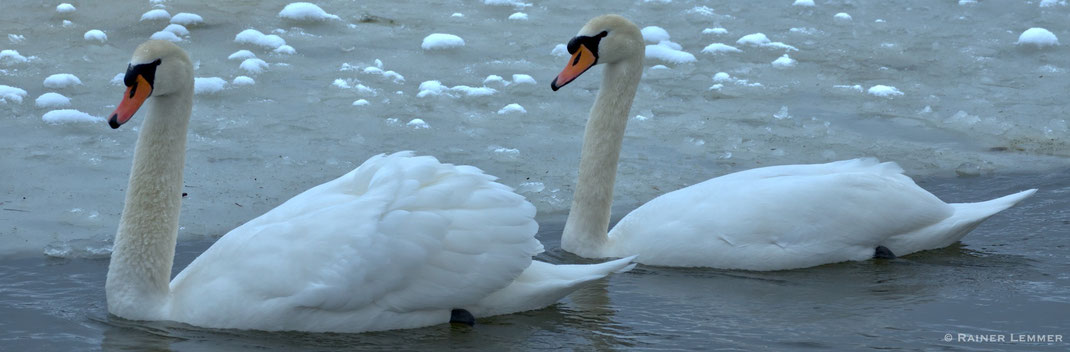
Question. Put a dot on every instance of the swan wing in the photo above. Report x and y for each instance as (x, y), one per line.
(780, 217)
(396, 243)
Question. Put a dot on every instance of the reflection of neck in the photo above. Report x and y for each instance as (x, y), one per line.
(144, 249)
(588, 222)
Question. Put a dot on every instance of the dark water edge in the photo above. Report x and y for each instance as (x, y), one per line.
(1010, 276)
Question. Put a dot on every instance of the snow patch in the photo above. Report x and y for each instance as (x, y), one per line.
(513, 3)
(187, 19)
(720, 48)
(519, 16)
(306, 12)
(560, 50)
(881, 90)
(717, 31)
(165, 35)
(95, 34)
(62, 80)
(418, 124)
(62, 116)
(11, 57)
(654, 34)
(669, 52)
(253, 65)
(523, 79)
(208, 85)
(52, 100)
(760, 40)
(65, 8)
(842, 17)
(512, 108)
(177, 29)
(1038, 37)
(241, 55)
(255, 37)
(9, 93)
(805, 3)
(361, 102)
(243, 81)
(784, 62)
(441, 41)
(155, 15)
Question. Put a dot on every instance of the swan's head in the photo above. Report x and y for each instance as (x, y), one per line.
(158, 68)
(606, 39)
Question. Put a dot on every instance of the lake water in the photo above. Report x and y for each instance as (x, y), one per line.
(979, 117)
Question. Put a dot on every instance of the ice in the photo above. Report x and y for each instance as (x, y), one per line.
(341, 83)
(62, 80)
(65, 8)
(253, 65)
(842, 17)
(967, 2)
(1052, 3)
(243, 81)
(9, 93)
(881, 90)
(429, 88)
(474, 91)
(784, 62)
(241, 55)
(523, 79)
(10, 57)
(805, 3)
(285, 49)
(177, 29)
(518, 16)
(659, 67)
(654, 34)
(52, 100)
(360, 102)
(187, 19)
(64, 116)
(117, 80)
(717, 31)
(722, 77)
(255, 37)
(305, 12)
(95, 34)
(165, 35)
(512, 108)
(495, 79)
(156, 15)
(665, 51)
(441, 41)
(716, 48)
(419, 124)
(856, 88)
(531, 187)
(761, 40)
(15, 38)
(1037, 37)
(208, 85)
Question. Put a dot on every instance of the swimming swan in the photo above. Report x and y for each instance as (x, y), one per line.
(402, 241)
(770, 218)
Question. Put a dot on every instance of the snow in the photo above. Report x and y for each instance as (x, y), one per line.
(457, 14)
(165, 35)
(474, 91)
(440, 41)
(560, 50)
(881, 90)
(62, 116)
(62, 80)
(654, 34)
(155, 15)
(67, 23)
(187, 19)
(431, 88)
(665, 51)
(361, 102)
(95, 34)
(519, 16)
(241, 55)
(784, 62)
(305, 12)
(284, 49)
(720, 48)
(659, 67)
(208, 85)
(512, 108)
(177, 29)
(1052, 3)
(65, 8)
(253, 65)
(967, 2)
(722, 77)
(9, 93)
(15, 38)
(255, 37)
(495, 79)
(418, 124)
(523, 79)
(117, 80)
(842, 16)
(717, 31)
(807, 3)
(341, 83)
(52, 100)
(761, 40)
(1038, 37)
(10, 56)
(513, 3)
(243, 81)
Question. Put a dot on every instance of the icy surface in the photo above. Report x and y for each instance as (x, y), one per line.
(208, 85)
(439, 41)
(64, 116)
(187, 19)
(654, 34)
(720, 48)
(784, 62)
(804, 3)
(156, 15)
(166, 35)
(667, 52)
(65, 8)
(512, 108)
(1038, 37)
(292, 129)
(62, 80)
(518, 16)
(52, 100)
(881, 90)
(304, 11)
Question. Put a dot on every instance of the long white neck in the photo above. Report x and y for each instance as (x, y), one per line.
(144, 249)
(586, 230)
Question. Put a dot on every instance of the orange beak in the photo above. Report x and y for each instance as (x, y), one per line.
(582, 60)
(136, 94)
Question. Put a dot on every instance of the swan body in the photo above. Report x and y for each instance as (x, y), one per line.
(770, 218)
(399, 242)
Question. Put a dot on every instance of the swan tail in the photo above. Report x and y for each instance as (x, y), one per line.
(543, 284)
(965, 218)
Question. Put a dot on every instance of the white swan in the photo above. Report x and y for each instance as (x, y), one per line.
(399, 242)
(770, 218)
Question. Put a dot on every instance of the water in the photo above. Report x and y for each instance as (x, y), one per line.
(974, 104)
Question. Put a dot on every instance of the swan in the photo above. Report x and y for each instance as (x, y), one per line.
(402, 241)
(770, 218)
